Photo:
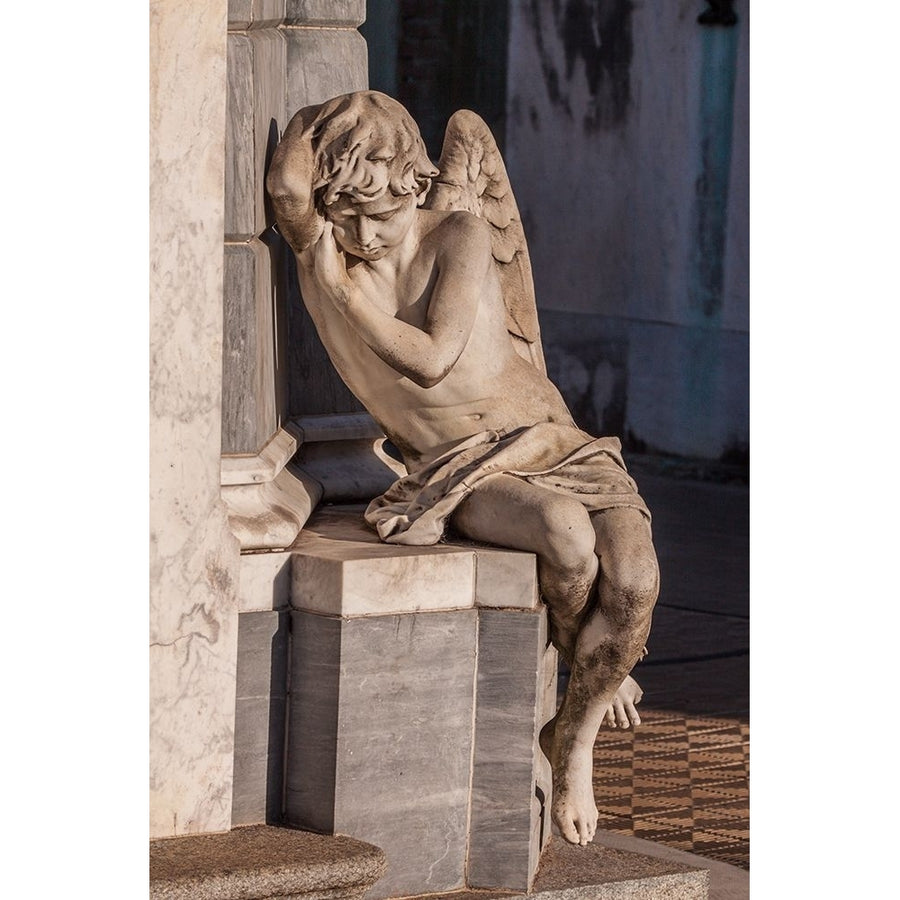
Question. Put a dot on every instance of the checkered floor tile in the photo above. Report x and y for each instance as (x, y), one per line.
(678, 780)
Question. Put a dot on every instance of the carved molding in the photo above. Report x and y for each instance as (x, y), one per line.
(339, 458)
(345, 454)
(265, 465)
(268, 500)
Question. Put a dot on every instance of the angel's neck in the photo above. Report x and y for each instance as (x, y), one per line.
(396, 262)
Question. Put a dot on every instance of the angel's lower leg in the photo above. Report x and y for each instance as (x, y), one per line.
(608, 645)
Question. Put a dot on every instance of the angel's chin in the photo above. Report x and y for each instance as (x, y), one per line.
(370, 255)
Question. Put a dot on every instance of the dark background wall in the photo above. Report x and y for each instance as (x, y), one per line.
(438, 57)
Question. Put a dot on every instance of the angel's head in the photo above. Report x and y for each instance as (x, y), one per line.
(365, 145)
(371, 171)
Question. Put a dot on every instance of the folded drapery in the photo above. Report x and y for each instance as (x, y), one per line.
(561, 458)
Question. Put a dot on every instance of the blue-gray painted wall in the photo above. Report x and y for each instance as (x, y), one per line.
(627, 147)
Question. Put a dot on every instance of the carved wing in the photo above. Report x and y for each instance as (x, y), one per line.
(473, 178)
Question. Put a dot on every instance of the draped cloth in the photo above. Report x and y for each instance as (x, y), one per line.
(561, 458)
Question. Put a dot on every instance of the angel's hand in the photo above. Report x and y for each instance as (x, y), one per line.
(330, 265)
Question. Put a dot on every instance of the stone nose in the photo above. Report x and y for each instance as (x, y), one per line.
(365, 232)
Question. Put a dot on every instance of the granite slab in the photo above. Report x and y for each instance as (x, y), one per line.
(596, 872)
(262, 862)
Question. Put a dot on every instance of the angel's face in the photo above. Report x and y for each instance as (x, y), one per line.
(370, 230)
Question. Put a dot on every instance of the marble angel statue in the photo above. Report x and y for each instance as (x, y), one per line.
(418, 281)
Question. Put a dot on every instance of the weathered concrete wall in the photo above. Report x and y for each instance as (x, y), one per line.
(627, 148)
(450, 55)
(193, 555)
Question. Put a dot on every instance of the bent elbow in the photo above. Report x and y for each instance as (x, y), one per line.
(278, 189)
(282, 187)
(275, 183)
(431, 376)
(425, 380)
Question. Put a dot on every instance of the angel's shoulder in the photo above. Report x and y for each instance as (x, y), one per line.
(457, 231)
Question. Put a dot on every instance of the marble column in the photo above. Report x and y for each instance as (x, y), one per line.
(282, 55)
(193, 555)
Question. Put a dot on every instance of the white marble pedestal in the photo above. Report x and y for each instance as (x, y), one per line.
(420, 677)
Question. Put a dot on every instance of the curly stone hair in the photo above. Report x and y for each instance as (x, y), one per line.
(364, 144)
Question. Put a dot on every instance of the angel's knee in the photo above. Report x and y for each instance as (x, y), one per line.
(568, 536)
(630, 587)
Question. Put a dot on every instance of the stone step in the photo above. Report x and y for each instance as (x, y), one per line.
(260, 861)
(596, 872)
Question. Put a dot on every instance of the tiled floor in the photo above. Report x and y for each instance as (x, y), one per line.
(677, 780)
(682, 777)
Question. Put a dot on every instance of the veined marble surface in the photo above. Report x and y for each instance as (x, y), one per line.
(341, 568)
(265, 582)
(193, 555)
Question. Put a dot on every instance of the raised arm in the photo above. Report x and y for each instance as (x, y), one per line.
(289, 183)
(424, 355)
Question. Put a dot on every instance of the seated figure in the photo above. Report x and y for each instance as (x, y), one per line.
(418, 282)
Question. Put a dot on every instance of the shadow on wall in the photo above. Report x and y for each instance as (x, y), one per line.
(596, 33)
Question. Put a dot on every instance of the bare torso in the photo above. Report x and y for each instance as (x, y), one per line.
(490, 387)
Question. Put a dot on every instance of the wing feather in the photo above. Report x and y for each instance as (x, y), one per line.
(473, 178)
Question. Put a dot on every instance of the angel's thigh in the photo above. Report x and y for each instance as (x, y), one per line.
(509, 512)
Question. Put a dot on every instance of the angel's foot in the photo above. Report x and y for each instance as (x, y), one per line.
(621, 712)
(574, 811)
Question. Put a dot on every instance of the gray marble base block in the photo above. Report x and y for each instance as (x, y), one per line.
(260, 713)
(380, 740)
(334, 13)
(256, 79)
(420, 678)
(249, 417)
(510, 787)
(417, 732)
(322, 63)
(262, 863)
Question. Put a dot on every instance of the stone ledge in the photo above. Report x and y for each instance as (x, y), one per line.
(341, 568)
(260, 861)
